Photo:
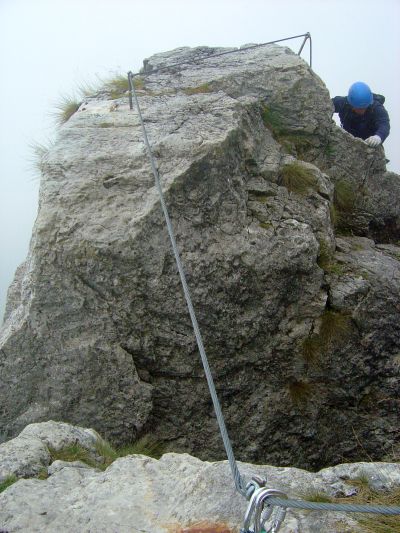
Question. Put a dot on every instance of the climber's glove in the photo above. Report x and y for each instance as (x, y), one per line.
(375, 140)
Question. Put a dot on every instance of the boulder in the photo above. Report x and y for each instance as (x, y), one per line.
(29, 454)
(176, 494)
(97, 331)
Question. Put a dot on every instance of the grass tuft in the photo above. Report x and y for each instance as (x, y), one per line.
(297, 178)
(326, 259)
(138, 83)
(312, 349)
(266, 225)
(39, 153)
(88, 89)
(301, 391)
(335, 328)
(43, 474)
(296, 143)
(118, 86)
(105, 449)
(317, 496)
(350, 217)
(8, 482)
(75, 452)
(272, 119)
(367, 495)
(65, 108)
(106, 454)
(201, 89)
(325, 255)
(146, 445)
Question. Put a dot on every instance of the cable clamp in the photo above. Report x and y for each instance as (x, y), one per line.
(261, 515)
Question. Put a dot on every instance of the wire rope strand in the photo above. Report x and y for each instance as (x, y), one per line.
(239, 483)
(337, 507)
(227, 52)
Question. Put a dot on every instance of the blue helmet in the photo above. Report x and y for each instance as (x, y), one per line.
(360, 95)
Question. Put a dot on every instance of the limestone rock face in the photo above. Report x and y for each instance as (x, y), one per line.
(304, 352)
(176, 494)
(28, 454)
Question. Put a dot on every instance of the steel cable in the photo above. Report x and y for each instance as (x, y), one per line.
(307, 37)
(335, 507)
(238, 479)
(239, 483)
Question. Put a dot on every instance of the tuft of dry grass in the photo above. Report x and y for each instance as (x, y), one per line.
(39, 153)
(350, 215)
(10, 480)
(300, 392)
(373, 523)
(335, 328)
(106, 454)
(65, 108)
(317, 496)
(297, 178)
(75, 452)
(370, 523)
(201, 89)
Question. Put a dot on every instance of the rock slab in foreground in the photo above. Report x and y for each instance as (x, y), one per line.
(176, 494)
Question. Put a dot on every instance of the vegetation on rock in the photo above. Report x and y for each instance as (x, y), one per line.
(200, 89)
(65, 108)
(7, 483)
(107, 454)
(297, 178)
(335, 328)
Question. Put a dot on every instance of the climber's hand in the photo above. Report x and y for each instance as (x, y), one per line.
(375, 140)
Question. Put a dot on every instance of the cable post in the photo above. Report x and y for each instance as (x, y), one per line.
(130, 84)
(307, 37)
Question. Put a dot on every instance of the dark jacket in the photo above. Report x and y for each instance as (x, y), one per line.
(375, 120)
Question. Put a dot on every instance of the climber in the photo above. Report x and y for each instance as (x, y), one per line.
(362, 114)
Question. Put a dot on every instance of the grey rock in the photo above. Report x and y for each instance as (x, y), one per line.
(379, 476)
(58, 435)
(29, 454)
(137, 493)
(348, 291)
(346, 159)
(97, 330)
(58, 465)
(23, 457)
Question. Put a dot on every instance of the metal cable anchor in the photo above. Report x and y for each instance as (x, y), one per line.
(255, 483)
(260, 512)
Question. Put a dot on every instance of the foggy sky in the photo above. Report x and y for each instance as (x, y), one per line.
(50, 47)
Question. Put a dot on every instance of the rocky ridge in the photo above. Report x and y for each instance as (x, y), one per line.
(176, 494)
(301, 323)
